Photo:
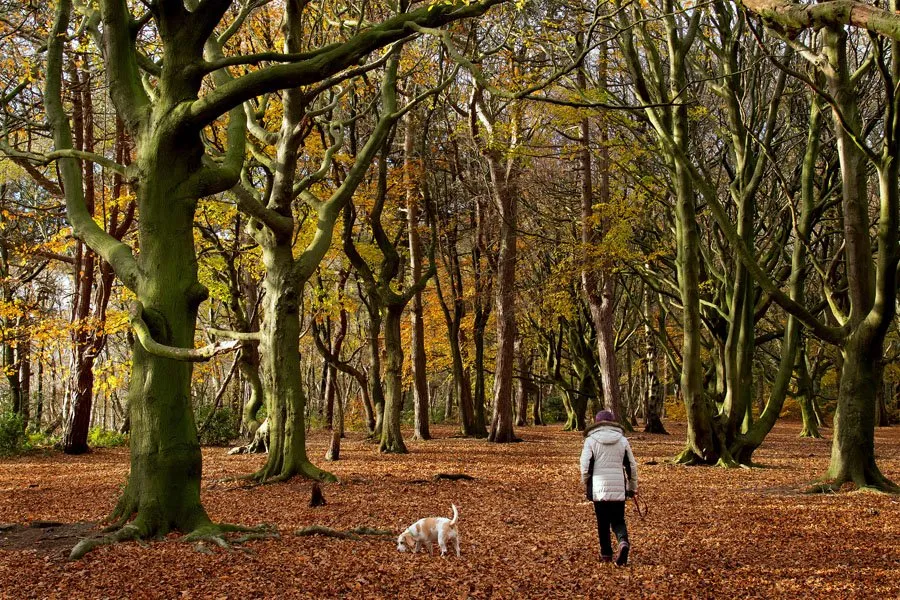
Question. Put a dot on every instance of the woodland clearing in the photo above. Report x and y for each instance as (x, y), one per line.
(525, 530)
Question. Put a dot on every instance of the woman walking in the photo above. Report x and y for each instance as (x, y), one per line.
(609, 472)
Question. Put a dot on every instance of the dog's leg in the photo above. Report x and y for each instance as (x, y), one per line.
(442, 542)
(456, 542)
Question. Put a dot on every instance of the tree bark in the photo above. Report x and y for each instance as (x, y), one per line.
(417, 341)
(505, 305)
(391, 437)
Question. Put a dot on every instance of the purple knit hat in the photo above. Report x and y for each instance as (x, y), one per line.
(604, 415)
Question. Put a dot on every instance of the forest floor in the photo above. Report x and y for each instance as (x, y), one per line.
(525, 530)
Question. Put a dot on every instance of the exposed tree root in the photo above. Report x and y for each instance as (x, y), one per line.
(689, 458)
(351, 534)
(215, 533)
(306, 470)
(810, 433)
(126, 533)
(876, 483)
(371, 531)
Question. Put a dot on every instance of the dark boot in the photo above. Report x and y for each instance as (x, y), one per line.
(622, 555)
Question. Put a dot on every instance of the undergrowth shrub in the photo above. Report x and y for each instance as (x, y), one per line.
(12, 433)
(104, 438)
(222, 428)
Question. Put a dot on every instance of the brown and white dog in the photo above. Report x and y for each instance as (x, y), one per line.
(425, 532)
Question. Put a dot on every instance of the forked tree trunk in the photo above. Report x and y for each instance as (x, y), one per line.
(596, 282)
(743, 447)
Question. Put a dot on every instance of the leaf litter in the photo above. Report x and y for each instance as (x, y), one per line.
(525, 530)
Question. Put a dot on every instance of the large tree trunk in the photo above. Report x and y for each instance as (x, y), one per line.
(872, 286)
(700, 445)
(164, 484)
(280, 356)
(853, 446)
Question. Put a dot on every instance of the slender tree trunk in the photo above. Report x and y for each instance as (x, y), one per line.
(417, 341)
(337, 431)
(538, 407)
(522, 384)
(805, 397)
(39, 397)
(391, 437)
(654, 395)
(376, 386)
(462, 385)
(505, 306)
(479, 397)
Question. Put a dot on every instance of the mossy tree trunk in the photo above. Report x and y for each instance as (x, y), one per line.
(871, 276)
(280, 354)
(169, 176)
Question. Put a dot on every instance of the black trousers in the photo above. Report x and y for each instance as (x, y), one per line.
(610, 516)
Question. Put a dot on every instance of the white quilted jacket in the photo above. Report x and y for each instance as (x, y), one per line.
(612, 458)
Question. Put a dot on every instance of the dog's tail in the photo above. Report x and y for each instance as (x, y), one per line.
(455, 515)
